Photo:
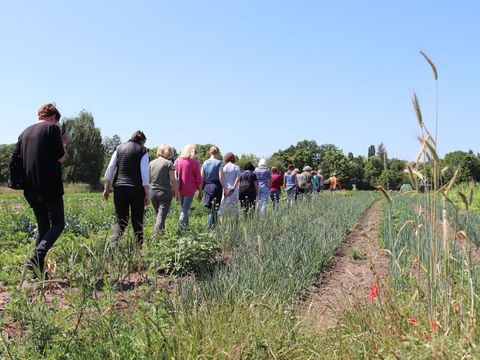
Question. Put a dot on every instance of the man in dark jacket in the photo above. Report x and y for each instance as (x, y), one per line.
(41, 149)
(128, 170)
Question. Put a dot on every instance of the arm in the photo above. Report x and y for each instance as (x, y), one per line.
(198, 179)
(173, 184)
(145, 178)
(57, 144)
(108, 177)
(255, 183)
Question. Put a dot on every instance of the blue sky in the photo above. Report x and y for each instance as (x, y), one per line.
(249, 76)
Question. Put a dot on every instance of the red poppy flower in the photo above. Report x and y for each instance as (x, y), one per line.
(434, 325)
(373, 291)
(412, 321)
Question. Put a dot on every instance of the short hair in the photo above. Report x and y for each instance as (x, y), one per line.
(165, 151)
(138, 136)
(229, 157)
(214, 150)
(290, 167)
(188, 152)
(48, 110)
(314, 172)
(248, 166)
(274, 169)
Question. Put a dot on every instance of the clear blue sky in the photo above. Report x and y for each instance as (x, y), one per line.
(249, 76)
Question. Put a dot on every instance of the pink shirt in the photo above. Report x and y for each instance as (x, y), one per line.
(188, 171)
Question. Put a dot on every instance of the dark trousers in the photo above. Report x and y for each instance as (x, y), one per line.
(51, 222)
(129, 200)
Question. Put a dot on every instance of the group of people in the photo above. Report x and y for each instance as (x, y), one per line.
(220, 183)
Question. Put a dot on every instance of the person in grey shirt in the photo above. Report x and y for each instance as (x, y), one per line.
(163, 186)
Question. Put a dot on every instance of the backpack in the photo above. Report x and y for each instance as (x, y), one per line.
(16, 174)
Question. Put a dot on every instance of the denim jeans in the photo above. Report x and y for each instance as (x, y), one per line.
(186, 204)
(161, 203)
(275, 197)
(291, 195)
(262, 200)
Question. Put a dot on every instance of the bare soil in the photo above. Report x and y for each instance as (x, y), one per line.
(359, 263)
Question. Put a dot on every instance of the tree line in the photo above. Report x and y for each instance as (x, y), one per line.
(89, 153)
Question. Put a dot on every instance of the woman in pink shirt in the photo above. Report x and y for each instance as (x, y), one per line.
(275, 186)
(187, 170)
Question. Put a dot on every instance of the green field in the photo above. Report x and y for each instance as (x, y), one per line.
(235, 292)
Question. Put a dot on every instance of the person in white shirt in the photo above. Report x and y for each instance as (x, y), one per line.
(128, 171)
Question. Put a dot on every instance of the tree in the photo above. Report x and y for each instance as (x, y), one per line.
(305, 152)
(382, 152)
(467, 162)
(6, 152)
(371, 151)
(242, 160)
(373, 170)
(110, 144)
(85, 152)
(202, 152)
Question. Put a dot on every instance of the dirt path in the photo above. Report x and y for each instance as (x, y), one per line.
(350, 274)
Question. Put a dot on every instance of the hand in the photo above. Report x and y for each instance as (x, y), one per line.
(177, 199)
(64, 138)
(200, 196)
(106, 193)
(146, 200)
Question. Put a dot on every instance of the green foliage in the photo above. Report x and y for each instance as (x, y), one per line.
(467, 162)
(5, 157)
(373, 169)
(371, 151)
(85, 152)
(244, 158)
(110, 144)
(202, 152)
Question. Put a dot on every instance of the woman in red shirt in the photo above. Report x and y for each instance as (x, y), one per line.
(275, 186)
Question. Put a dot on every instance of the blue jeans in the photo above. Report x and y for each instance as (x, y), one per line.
(262, 199)
(186, 204)
(275, 196)
(291, 195)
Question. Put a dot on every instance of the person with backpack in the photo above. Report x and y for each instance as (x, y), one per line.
(128, 172)
(248, 190)
(40, 153)
(305, 183)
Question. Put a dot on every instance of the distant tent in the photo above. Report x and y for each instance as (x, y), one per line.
(406, 187)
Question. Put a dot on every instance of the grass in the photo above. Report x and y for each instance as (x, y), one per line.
(243, 306)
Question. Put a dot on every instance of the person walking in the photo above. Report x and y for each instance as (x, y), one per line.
(315, 182)
(334, 183)
(230, 181)
(290, 185)
(248, 189)
(127, 171)
(212, 174)
(321, 179)
(264, 176)
(40, 150)
(275, 187)
(163, 186)
(189, 181)
(306, 181)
